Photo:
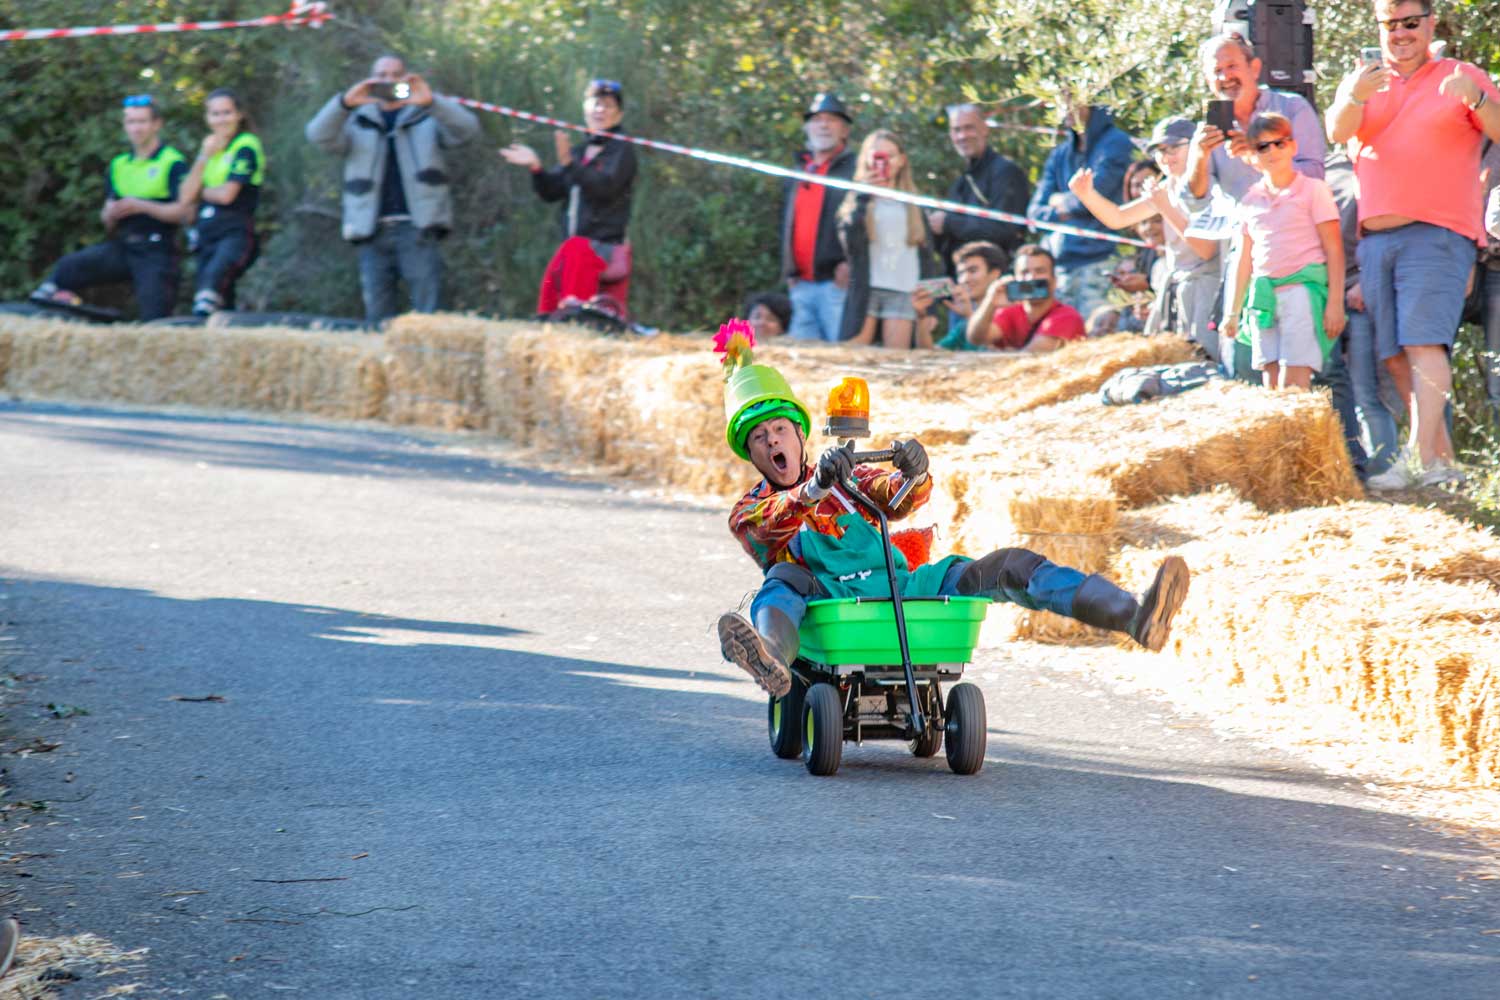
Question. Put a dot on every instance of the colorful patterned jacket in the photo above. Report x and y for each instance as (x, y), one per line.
(767, 521)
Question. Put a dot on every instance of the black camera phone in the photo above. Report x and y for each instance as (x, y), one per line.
(383, 91)
(1025, 289)
(1219, 114)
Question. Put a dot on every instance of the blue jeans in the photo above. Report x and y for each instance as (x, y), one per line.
(1051, 588)
(399, 252)
(1084, 286)
(1491, 279)
(817, 310)
(1377, 423)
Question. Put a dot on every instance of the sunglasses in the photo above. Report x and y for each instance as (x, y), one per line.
(605, 86)
(137, 101)
(1261, 147)
(1411, 23)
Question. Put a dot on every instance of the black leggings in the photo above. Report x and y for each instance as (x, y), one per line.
(222, 257)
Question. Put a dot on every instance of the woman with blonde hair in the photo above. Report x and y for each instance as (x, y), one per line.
(889, 249)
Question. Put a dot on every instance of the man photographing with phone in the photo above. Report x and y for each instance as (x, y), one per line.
(1022, 314)
(1221, 154)
(391, 130)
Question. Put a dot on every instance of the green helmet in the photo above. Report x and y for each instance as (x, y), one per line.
(753, 395)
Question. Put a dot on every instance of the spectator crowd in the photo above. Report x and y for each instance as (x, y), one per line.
(1295, 250)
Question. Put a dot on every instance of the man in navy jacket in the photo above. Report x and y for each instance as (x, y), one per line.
(1094, 141)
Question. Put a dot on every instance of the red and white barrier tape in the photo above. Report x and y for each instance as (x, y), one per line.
(300, 13)
(921, 201)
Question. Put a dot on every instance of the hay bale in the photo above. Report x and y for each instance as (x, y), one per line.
(322, 374)
(434, 369)
(7, 341)
(1377, 623)
(43, 965)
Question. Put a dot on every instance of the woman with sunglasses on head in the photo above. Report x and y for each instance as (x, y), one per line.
(889, 248)
(219, 199)
(1286, 296)
(593, 179)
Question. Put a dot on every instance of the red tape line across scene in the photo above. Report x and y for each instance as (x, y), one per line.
(315, 14)
(921, 201)
(301, 12)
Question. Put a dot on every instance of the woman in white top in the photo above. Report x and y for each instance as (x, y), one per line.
(889, 249)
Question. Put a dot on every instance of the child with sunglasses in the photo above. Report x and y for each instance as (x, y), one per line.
(1286, 297)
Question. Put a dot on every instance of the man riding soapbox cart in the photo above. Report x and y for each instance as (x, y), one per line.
(848, 651)
(873, 669)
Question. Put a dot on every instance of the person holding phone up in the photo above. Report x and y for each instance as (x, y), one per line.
(1220, 153)
(1022, 315)
(392, 130)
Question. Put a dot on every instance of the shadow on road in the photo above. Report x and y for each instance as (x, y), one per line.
(480, 798)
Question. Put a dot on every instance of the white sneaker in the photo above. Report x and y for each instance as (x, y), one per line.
(1440, 472)
(1397, 477)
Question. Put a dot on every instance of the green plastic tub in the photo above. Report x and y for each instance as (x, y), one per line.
(861, 630)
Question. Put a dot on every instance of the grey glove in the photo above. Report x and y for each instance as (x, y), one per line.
(910, 458)
(836, 465)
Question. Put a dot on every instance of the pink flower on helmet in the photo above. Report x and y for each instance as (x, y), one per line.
(734, 340)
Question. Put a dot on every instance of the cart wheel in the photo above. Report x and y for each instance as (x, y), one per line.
(822, 729)
(784, 722)
(931, 741)
(966, 729)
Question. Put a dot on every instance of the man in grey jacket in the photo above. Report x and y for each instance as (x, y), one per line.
(391, 130)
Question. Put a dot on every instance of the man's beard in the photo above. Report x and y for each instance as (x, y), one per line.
(821, 142)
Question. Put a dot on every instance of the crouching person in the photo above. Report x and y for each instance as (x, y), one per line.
(812, 540)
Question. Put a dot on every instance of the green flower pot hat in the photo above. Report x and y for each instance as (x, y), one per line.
(753, 393)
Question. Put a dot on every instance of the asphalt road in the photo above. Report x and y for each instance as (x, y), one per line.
(476, 741)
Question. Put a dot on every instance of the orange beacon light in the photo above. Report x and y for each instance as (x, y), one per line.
(849, 409)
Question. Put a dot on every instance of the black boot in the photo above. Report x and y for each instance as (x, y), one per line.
(764, 650)
(1149, 620)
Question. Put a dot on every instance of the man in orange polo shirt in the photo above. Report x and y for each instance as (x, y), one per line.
(1415, 126)
(812, 258)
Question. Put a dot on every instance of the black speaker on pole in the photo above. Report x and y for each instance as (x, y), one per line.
(1281, 32)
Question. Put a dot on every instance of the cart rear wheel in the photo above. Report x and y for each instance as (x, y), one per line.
(966, 729)
(784, 722)
(931, 741)
(822, 729)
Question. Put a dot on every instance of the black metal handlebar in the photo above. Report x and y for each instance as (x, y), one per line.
(918, 724)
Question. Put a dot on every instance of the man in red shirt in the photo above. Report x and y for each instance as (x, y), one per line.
(1022, 314)
(812, 258)
(1415, 126)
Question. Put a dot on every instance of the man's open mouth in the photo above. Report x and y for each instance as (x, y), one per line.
(780, 461)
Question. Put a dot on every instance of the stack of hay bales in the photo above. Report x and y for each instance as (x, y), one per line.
(434, 368)
(1372, 620)
(323, 374)
(1054, 479)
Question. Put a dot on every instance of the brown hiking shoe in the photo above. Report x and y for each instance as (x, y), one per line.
(1153, 622)
(743, 646)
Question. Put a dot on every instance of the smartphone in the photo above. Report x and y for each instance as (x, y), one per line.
(398, 91)
(939, 288)
(1371, 55)
(1023, 289)
(1219, 114)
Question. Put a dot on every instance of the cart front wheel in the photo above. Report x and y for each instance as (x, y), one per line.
(931, 741)
(822, 729)
(966, 729)
(784, 722)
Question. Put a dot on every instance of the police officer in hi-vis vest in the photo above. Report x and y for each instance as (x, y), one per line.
(224, 187)
(141, 214)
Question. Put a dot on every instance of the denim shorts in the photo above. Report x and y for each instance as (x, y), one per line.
(886, 304)
(1413, 279)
